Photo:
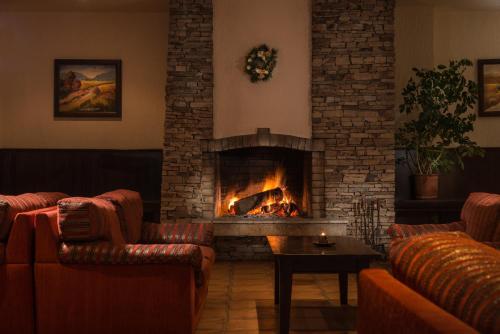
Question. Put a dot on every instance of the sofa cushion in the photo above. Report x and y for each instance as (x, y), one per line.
(88, 219)
(10, 206)
(481, 213)
(457, 273)
(51, 198)
(128, 205)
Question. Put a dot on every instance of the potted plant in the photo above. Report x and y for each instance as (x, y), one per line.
(434, 137)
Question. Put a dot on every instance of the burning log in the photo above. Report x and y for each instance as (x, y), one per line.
(291, 209)
(272, 208)
(249, 203)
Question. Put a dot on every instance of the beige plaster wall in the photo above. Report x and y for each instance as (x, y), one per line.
(473, 34)
(427, 36)
(414, 26)
(281, 104)
(31, 41)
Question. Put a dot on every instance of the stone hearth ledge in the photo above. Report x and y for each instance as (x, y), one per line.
(241, 227)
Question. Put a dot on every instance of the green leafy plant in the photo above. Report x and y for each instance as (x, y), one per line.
(436, 139)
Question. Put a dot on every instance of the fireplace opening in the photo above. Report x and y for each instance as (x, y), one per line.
(263, 182)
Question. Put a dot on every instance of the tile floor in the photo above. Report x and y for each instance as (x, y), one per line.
(240, 300)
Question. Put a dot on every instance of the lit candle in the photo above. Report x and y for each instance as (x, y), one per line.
(323, 238)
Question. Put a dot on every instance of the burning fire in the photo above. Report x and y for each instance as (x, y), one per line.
(271, 197)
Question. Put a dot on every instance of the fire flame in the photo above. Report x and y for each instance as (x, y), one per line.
(230, 206)
(276, 180)
(272, 181)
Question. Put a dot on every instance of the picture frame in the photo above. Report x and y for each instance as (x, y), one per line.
(87, 88)
(489, 87)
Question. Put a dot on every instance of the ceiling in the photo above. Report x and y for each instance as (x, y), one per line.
(84, 5)
(465, 4)
(162, 5)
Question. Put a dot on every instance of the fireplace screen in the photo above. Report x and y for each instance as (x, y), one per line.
(265, 182)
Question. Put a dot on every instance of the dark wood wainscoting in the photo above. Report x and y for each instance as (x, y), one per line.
(480, 174)
(83, 173)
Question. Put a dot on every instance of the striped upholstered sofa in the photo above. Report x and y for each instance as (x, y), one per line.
(480, 219)
(17, 218)
(100, 269)
(443, 282)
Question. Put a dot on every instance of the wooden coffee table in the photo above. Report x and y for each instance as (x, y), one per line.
(300, 255)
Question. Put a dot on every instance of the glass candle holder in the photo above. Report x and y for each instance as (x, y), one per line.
(323, 239)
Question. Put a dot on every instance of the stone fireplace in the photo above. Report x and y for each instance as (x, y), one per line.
(350, 152)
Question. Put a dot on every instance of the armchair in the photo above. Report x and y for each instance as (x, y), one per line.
(91, 279)
(480, 219)
(16, 259)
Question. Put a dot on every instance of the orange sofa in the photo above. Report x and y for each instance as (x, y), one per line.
(442, 282)
(480, 219)
(458, 253)
(16, 259)
(100, 269)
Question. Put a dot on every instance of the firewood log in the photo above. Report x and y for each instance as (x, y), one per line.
(249, 203)
(290, 209)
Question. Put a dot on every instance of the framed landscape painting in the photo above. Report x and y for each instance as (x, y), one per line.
(87, 88)
(489, 87)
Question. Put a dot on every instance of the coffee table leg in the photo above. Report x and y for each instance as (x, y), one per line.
(343, 288)
(276, 280)
(285, 296)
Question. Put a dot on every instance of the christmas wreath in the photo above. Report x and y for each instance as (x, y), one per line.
(260, 63)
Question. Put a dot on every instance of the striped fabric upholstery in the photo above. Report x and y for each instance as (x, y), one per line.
(496, 235)
(106, 253)
(457, 273)
(399, 231)
(10, 206)
(2, 253)
(88, 219)
(4, 208)
(178, 233)
(494, 244)
(481, 214)
(128, 205)
(52, 198)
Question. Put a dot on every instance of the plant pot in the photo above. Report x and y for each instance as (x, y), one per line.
(426, 186)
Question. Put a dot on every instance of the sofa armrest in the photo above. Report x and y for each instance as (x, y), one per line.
(402, 310)
(106, 253)
(402, 231)
(178, 233)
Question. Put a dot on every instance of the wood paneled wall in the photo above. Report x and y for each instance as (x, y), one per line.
(479, 174)
(83, 172)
